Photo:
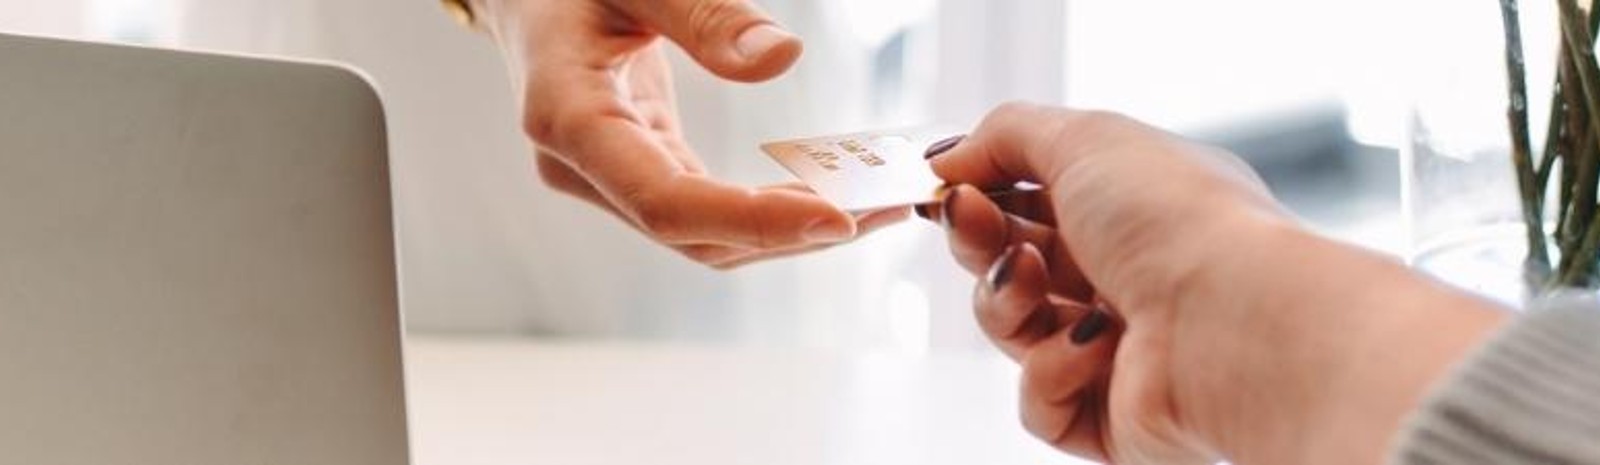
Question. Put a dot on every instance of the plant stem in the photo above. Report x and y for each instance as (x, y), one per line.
(1537, 264)
(1583, 198)
(1584, 161)
(1552, 151)
(1557, 147)
(1582, 268)
(1571, 95)
(1569, 169)
(1581, 50)
(1579, 36)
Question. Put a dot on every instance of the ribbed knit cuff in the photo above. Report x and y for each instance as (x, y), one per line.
(1531, 394)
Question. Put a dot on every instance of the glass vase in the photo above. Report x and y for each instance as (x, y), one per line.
(1464, 221)
(1459, 194)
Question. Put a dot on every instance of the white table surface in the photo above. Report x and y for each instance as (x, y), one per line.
(510, 401)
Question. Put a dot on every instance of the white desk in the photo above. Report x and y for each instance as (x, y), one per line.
(485, 402)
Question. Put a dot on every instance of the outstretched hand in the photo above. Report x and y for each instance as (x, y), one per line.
(599, 104)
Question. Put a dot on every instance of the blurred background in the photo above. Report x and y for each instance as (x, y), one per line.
(1307, 90)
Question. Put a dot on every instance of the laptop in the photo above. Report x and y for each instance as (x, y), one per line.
(196, 261)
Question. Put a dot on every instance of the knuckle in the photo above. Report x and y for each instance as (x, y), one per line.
(982, 300)
(1033, 370)
(657, 224)
(767, 238)
(554, 114)
(563, 132)
(1031, 422)
(1016, 108)
(551, 171)
(555, 174)
(1044, 380)
(714, 257)
(1081, 133)
(1095, 121)
(540, 125)
(558, 128)
(1100, 127)
(770, 233)
(539, 117)
(714, 19)
(725, 265)
(1044, 424)
(654, 216)
(1007, 113)
(1038, 424)
(551, 179)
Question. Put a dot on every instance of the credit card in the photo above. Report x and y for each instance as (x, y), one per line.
(865, 171)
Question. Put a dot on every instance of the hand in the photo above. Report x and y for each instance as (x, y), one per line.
(1074, 275)
(1167, 310)
(598, 102)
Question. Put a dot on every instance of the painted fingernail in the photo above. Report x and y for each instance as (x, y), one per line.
(756, 41)
(1000, 272)
(947, 206)
(940, 147)
(1090, 327)
(922, 211)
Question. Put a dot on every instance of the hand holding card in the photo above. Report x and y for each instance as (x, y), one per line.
(865, 171)
(869, 171)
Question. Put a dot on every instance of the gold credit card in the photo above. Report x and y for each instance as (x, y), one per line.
(865, 171)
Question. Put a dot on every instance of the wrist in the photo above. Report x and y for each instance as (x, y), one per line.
(1299, 349)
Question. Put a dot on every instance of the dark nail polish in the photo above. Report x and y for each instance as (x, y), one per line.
(940, 147)
(1000, 272)
(922, 211)
(1090, 327)
(947, 206)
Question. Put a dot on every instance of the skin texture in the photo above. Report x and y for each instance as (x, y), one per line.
(599, 106)
(1234, 334)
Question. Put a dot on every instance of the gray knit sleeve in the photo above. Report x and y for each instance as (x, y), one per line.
(1530, 395)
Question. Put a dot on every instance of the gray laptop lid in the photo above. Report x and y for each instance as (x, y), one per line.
(196, 261)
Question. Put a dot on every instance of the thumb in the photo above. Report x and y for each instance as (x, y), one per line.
(732, 38)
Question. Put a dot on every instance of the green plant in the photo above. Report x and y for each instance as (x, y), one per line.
(1571, 152)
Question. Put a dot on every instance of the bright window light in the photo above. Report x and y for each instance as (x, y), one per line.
(875, 22)
(132, 21)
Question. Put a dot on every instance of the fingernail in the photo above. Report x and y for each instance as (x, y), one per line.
(757, 40)
(940, 147)
(946, 206)
(922, 211)
(1000, 271)
(826, 230)
(1090, 327)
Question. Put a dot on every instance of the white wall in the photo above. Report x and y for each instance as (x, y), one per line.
(485, 248)
(41, 17)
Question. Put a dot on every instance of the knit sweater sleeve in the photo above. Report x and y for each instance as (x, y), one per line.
(1529, 395)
